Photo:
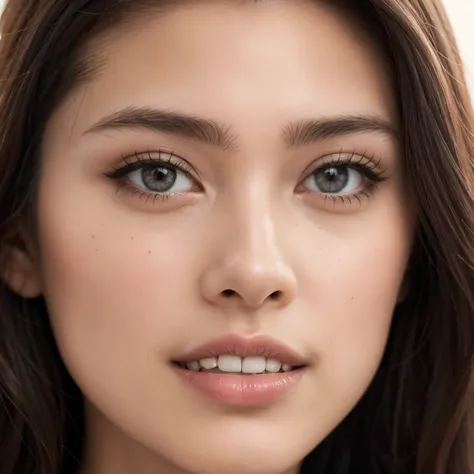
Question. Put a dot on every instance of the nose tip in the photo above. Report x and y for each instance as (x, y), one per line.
(250, 287)
(251, 260)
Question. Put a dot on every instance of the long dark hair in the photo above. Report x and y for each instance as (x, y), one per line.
(415, 416)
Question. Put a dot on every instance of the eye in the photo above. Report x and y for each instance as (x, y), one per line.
(161, 178)
(336, 179)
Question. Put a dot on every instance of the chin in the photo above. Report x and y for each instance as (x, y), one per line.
(213, 463)
(260, 458)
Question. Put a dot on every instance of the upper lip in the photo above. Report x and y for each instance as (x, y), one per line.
(233, 344)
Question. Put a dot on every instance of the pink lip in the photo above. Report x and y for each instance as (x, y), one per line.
(244, 347)
(243, 390)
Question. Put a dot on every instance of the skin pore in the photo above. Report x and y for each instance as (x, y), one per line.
(243, 241)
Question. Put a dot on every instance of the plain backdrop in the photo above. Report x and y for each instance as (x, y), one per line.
(462, 17)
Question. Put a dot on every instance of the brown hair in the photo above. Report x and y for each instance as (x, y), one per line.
(414, 417)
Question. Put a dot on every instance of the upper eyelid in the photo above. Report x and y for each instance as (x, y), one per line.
(365, 160)
(153, 156)
(180, 163)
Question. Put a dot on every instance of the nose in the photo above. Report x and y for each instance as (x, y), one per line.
(248, 267)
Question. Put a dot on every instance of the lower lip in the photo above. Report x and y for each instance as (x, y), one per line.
(242, 390)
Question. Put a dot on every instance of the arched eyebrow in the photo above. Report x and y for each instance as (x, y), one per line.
(187, 126)
(295, 134)
(306, 132)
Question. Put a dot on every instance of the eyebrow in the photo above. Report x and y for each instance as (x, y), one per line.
(295, 134)
(187, 126)
(310, 131)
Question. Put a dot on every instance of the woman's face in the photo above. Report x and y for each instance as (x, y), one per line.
(274, 227)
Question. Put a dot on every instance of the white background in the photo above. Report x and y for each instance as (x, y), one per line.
(462, 17)
(461, 13)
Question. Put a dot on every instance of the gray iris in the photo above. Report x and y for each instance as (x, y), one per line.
(332, 180)
(159, 178)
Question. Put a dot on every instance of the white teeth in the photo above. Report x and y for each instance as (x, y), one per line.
(234, 364)
(253, 365)
(194, 365)
(273, 365)
(229, 363)
(209, 363)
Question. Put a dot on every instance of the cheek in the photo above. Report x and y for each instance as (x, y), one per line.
(111, 283)
(354, 295)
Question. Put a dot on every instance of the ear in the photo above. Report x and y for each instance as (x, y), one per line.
(20, 272)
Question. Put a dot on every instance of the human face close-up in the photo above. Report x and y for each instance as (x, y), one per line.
(227, 188)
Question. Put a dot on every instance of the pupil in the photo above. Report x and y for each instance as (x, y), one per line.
(159, 178)
(332, 180)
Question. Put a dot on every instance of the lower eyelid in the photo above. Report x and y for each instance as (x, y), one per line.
(146, 196)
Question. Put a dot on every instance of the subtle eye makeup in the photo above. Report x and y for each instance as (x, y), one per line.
(344, 177)
(158, 176)
(155, 176)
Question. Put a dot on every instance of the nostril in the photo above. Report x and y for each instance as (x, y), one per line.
(275, 295)
(228, 293)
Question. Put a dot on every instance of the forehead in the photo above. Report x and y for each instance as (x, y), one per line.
(232, 60)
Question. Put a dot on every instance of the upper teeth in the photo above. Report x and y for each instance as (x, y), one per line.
(235, 364)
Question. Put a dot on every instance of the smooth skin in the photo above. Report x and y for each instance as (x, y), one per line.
(245, 241)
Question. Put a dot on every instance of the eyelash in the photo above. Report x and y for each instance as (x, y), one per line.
(146, 160)
(364, 164)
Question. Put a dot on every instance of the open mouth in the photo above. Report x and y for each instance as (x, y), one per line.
(232, 364)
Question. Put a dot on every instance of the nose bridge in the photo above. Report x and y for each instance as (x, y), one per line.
(257, 241)
(251, 267)
(252, 231)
